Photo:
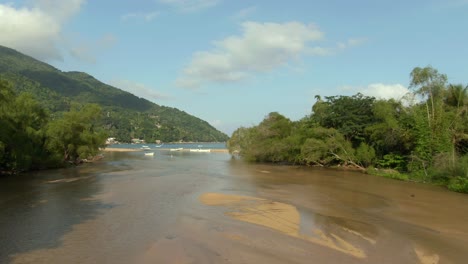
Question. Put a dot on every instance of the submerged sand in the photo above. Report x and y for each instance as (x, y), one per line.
(280, 217)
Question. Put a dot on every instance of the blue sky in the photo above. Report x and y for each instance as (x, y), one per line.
(232, 62)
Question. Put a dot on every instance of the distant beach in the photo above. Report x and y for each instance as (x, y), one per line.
(211, 150)
(121, 149)
(184, 147)
(111, 149)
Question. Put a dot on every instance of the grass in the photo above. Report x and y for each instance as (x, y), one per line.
(388, 173)
(456, 184)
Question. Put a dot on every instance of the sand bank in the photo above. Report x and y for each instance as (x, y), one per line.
(188, 150)
(121, 150)
(164, 149)
(280, 217)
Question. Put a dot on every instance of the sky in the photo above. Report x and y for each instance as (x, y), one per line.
(233, 62)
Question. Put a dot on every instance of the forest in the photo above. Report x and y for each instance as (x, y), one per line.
(423, 137)
(32, 138)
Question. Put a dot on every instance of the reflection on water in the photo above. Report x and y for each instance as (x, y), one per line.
(131, 206)
(35, 213)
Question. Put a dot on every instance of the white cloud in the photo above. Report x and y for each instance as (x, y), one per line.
(36, 29)
(139, 89)
(379, 90)
(190, 5)
(59, 9)
(352, 42)
(385, 91)
(261, 48)
(147, 17)
(356, 41)
(320, 51)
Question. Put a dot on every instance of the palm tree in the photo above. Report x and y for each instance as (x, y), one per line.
(457, 95)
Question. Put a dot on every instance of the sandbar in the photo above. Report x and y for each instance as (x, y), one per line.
(277, 216)
(120, 149)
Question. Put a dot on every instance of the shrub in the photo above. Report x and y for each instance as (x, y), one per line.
(393, 161)
(458, 184)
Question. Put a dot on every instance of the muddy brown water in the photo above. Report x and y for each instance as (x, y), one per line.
(208, 208)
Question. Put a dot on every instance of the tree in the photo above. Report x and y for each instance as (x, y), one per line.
(270, 141)
(239, 141)
(348, 114)
(6, 126)
(434, 137)
(327, 146)
(76, 135)
(390, 132)
(430, 84)
(457, 108)
(22, 135)
(457, 96)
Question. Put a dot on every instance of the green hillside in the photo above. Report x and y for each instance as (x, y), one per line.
(125, 115)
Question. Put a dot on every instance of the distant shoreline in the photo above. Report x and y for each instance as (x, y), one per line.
(120, 150)
(164, 149)
(188, 150)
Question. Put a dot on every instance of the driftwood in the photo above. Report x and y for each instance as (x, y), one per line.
(348, 161)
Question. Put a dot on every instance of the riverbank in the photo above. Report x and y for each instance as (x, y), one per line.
(455, 184)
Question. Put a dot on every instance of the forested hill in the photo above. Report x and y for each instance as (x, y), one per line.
(125, 116)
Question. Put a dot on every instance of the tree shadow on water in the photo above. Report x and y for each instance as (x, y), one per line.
(37, 210)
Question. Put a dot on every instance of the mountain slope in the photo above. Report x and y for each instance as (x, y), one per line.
(125, 115)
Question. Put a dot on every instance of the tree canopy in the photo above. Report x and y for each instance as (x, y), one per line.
(31, 139)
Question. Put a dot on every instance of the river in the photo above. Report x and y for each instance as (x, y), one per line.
(208, 208)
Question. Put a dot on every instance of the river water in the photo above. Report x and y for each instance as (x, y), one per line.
(208, 208)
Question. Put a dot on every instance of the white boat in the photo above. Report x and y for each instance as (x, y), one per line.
(176, 149)
(145, 147)
(200, 150)
(149, 153)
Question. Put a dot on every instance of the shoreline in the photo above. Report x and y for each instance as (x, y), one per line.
(188, 150)
(163, 149)
(120, 150)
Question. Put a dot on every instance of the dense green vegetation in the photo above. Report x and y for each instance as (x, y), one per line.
(31, 138)
(424, 139)
(126, 116)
